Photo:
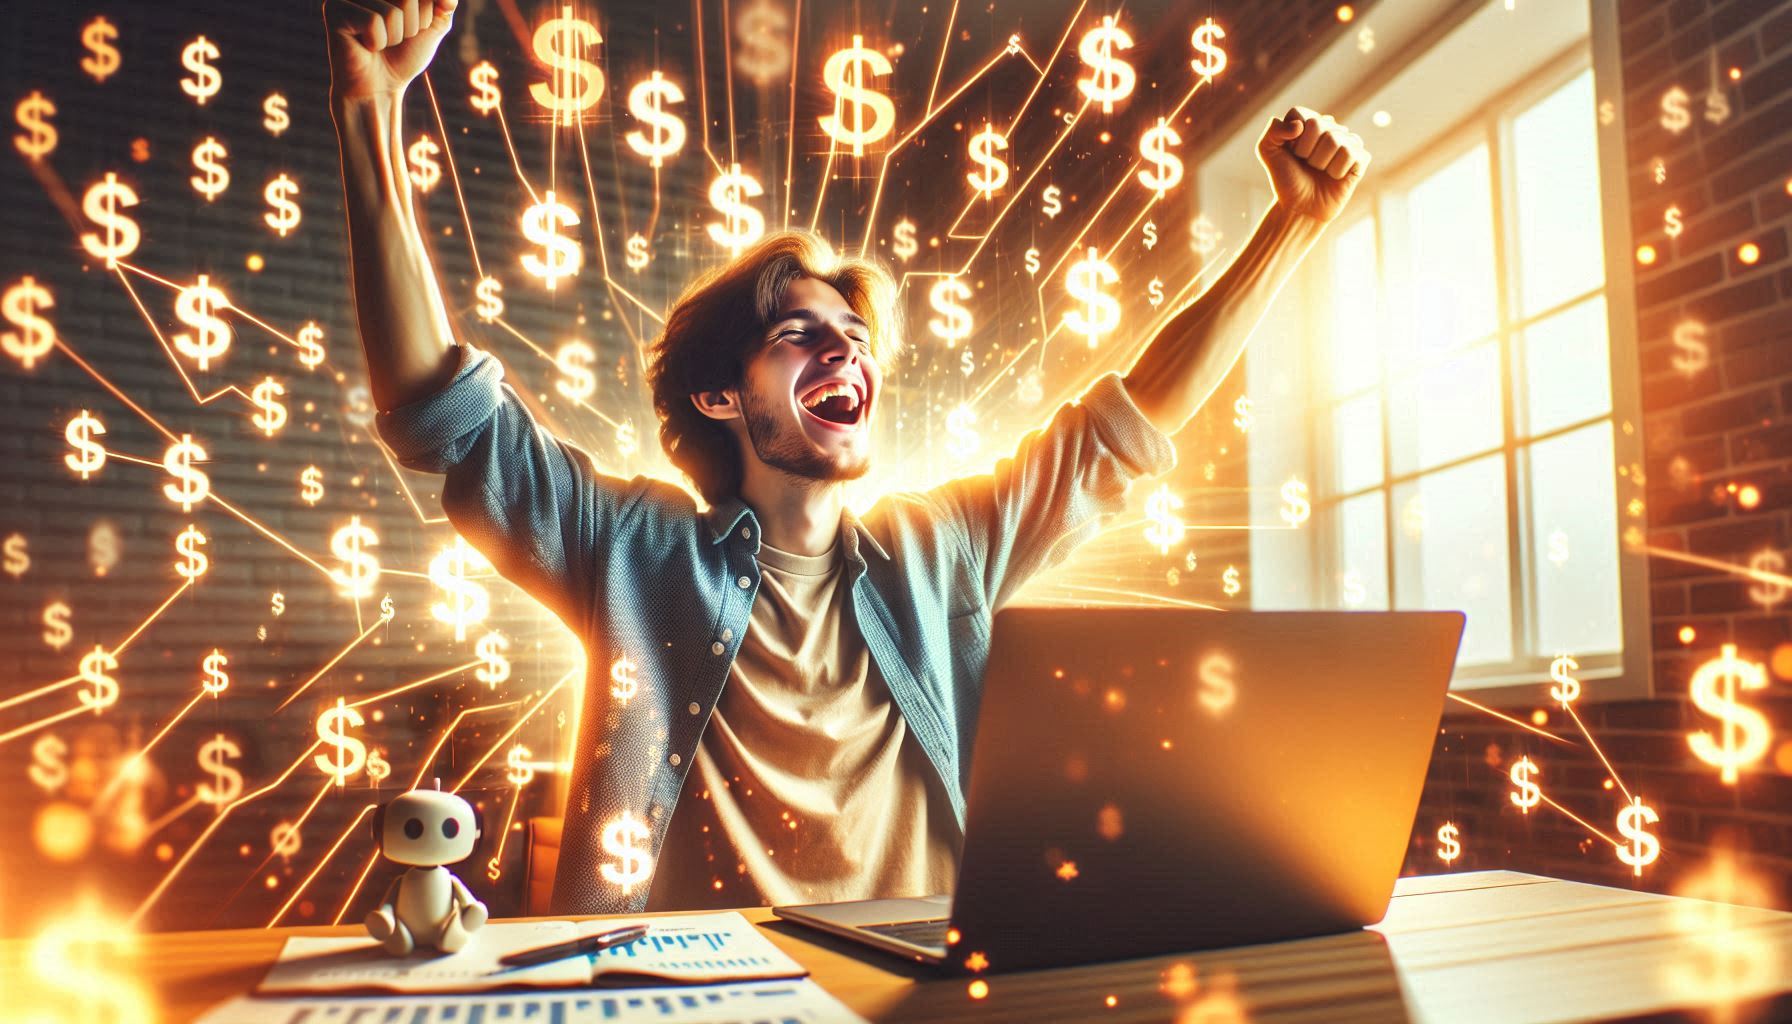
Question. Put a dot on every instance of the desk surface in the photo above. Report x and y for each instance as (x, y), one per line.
(1477, 946)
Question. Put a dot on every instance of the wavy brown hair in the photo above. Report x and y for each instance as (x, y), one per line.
(718, 325)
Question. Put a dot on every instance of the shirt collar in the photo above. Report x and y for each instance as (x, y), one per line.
(725, 516)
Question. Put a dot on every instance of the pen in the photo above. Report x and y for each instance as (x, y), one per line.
(576, 947)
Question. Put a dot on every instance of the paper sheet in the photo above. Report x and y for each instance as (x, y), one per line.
(795, 1002)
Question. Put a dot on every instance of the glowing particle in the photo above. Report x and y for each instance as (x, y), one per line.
(1539, 716)
(1346, 12)
(979, 989)
(1688, 634)
(976, 961)
(255, 262)
(1749, 253)
(1381, 118)
(1645, 254)
(1112, 1000)
(1749, 496)
(952, 936)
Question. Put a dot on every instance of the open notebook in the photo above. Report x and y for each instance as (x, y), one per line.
(688, 949)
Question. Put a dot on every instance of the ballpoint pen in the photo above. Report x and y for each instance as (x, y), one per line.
(576, 947)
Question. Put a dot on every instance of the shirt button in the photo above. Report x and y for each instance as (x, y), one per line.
(744, 582)
(716, 648)
(675, 759)
(747, 532)
(695, 707)
(728, 634)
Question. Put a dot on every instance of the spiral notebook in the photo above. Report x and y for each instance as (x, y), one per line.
(685, 949)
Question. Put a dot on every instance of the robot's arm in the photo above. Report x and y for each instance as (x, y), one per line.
(388, 901)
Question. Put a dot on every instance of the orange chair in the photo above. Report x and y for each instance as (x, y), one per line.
(541, 854)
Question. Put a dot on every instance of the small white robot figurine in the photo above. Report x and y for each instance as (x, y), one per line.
(427, 906)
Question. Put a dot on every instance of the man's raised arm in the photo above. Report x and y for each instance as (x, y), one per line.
(376, 49)
(1314, 164)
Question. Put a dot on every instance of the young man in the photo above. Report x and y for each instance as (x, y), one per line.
(805, 682)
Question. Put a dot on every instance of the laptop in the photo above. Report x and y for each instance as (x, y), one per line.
(1157, 780)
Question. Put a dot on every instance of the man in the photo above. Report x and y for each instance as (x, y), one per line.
(805, 683)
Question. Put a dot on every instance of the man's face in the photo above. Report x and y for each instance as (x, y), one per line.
(807, 397)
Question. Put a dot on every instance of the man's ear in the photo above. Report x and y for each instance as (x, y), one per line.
(718, 405)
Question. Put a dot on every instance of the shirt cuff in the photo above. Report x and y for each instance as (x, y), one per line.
(434, 433)
(1129, 433)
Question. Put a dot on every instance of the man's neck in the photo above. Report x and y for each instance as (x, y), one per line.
(795, 515)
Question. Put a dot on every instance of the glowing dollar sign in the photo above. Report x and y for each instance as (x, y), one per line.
(484, 80)
(1746, 732)
(1112, 78)
(274, 116)
(638, 256)
(1204, 237)
(1099, 312)
(284, 216)
(102, 57)
(271, 414)
(1523, 775)
(625, 438)
(1031, 258)
(466, 602)
(622, 679)
(1643, 847)
(632, 862)
(102, 204)
(90, 454)
(227, 782)
(741, 224)
(574, 360)
(962, 439)
(349, 753)
(57, 632)
(102, 547)
(1166, 527)
(1448, 849)
(520, 772)
(1567, 688)
(34, 113)
(945, 297)
(23, 305)
(763, 31)
(1212, 59)
(1241, 415)
(48, 769)
(422, 168)
(193, 562)
(1230, 581)
(193, 484)
(560, 256)
(1765, 566)
(904, 247)
(1295, 507)
(845, 73)
(377, 768)
(560, 43)
(100, 690)
(283, 839)
(78, 957)
(647, 102)
(204, 83)
(1166, 168)
(993, 171)
(198, 307)
(1149, 234)
(360, 569)
(311, 346)
(311, 485)
(496, 667)
(216, 680)
(489, 299)
(1692, 354)
(1051, 202)
(1217, 689)
(16, 558)
(208, 159)
(1674, 115)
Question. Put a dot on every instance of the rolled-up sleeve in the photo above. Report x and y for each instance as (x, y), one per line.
(536, 506)
(1051, 495)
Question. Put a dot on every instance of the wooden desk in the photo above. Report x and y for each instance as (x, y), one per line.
(1480, 946)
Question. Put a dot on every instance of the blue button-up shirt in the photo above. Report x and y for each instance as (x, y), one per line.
(636, 569)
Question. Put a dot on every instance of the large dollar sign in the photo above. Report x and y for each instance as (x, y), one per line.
(89, 455)
(423, 170)
(102, 57)
(1691, 354)
(1674, 115)
(1643, 847)
(102, 204)
(193, 562)
(466, 601)
(1746, 733)
(622, 679)
(78, 957)
(574, 360)
(741, 224)
(1166, 527)
(519, 769)
(1217, 688)
(638, 256)
(198, 307)
(191, 484)
(1448, 849)
(647, 102)
(905, 246)
(1166, 168)
(496, 667)
(274, 116)
(360, 570)
(100, 690)
(489, 296)
(1112, 78)
(23, 305)
(349, 753)
(216, 680)
(34, 113)
(763, 31)
(1210, 59)
(560, 256)
(1767, 592)
(484, 80)
(632, 862)
(311, 346)
(205, 80)
(311, 485)
(1567, 688)
(1295, 507)
(1523, 775)
(1099, 312)
(945, 297)
(48, 770)
(560, 43)
(271, 414)
(15, 559)
(993, 170)
(285, 213)
(57, 632)
(208, 159)
(845, 73)
(226, 783)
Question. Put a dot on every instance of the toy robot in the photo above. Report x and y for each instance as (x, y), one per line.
(427, 906)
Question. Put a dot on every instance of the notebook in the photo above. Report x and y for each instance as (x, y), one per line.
(685, 949)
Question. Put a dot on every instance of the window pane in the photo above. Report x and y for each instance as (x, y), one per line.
(1356, 443)
(1449, 225)
(1362, 580)
(1574, 550)
(1450, 553)
(1356, 331)
(1555, 164)
(1567, 367)
(1446, 411)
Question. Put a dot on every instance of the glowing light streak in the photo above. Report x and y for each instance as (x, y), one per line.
(328, 665)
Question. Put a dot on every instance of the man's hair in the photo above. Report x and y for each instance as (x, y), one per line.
(718, 325)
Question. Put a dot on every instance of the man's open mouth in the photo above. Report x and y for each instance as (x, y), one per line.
(835, 402)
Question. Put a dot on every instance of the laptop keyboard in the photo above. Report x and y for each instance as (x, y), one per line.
(931, 932)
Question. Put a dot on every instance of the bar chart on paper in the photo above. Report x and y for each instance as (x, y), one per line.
(698, 948)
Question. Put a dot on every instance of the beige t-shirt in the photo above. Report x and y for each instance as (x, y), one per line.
(806, 786)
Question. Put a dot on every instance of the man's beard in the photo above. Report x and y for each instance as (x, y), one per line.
(784, 447)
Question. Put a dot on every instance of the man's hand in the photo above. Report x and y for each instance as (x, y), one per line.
(378, 46)
(1314, 163)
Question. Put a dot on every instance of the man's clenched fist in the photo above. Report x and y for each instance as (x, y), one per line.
(378, 46)
(1313, 161)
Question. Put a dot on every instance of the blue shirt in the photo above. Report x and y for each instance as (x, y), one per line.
(636, 568)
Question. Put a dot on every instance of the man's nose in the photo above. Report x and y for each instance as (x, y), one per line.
(840, 345)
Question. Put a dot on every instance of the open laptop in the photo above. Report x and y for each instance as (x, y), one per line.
(1154, 780)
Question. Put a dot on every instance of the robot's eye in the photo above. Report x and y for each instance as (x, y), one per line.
(413, 829)
(451, 828)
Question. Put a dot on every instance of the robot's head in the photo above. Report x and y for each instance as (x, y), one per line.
(426, 828)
